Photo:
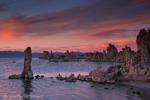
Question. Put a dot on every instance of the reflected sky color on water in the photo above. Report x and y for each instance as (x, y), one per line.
(53, 89)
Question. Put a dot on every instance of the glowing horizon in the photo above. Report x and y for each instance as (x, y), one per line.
(74, 25)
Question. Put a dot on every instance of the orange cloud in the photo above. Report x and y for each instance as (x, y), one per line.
(57, 25)
(6, 32)
(93, 22)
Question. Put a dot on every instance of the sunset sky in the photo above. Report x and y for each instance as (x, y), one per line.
(75, 25)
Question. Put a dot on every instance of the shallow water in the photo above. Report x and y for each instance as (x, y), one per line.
(53, 89)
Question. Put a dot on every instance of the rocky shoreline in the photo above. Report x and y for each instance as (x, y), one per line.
(136, 67)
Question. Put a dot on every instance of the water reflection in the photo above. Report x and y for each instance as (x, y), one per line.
(27, 89)
(53, 89)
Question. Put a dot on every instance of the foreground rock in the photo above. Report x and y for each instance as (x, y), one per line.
(27, 71)
(143, 45)
(103, 75)
(66, 57)
(136, 67)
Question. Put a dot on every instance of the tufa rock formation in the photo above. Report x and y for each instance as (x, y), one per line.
(105, 58)
(112, 55)
(103, 75)
(136, 67)
(45, 55)
(95, 57)
(125, 55)
(67, 56)
(143, 46)
(27, 72)
(56, 58)
(111, 52)
(51, 57)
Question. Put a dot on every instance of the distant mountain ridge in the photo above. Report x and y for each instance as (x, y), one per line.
(21, 54)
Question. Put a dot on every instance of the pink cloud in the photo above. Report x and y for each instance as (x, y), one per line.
(97, 21)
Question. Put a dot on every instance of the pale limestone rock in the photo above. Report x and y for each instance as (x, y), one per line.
(101, 75)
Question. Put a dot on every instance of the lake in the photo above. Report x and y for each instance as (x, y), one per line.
(52, 89)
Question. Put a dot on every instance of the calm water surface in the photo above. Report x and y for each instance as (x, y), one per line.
(52, 89)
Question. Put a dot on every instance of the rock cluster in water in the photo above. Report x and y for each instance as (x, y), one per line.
(45, 55)
(68, 56)
(27, 71)
(109, 55)
(72, 78)
(39, 77)
(136, 67)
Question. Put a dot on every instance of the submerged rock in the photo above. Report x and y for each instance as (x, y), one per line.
(106, 88)
(14, 76)
(42, 76)
(136, 92)
(37, 76)
(72, 78)
(59, 76)
(85, 78)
